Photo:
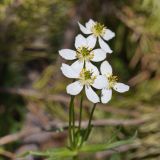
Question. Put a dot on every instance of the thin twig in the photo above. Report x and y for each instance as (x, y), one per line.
(64, 99)
(20, 135)
(123, 148)
(101, 123)
(54, 127)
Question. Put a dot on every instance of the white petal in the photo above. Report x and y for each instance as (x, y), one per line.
(91, 67)
(90, 24)
(68, 71)
(106, 68)
(80, 41)
(104, 45)
(91, 95)
(77, 66)
(91, 41)
(106, 95)
(108, 34)
(99, 55)
(67, 54)
(84, 29)
(74, 88)
(120, 87)
(100, 82)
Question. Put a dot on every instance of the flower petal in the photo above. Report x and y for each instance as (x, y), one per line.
(106, 95)
(84, 29)
(99, 55)
(80, 41)
(74, 88)
(91, 95)
(68, 71)
(77, 66)
(91, 41)
(106, 68)
(67, 54)
(100, 82)
(90, 24)
(104, 45)
(120, 87)
(93, 68)
(108, 34)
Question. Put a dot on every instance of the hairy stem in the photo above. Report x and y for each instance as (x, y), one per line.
(71, 106)
(88, 129)
(75, 158)
(89, 123)
(80, 114)
(73, 126)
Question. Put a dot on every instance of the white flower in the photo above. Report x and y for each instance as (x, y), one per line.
(88, 77)
(98, 30)
(106, 70)
(84, 52)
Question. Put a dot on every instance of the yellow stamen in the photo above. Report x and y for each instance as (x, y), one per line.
(98, 29)
(84, 53)
(112, 80)
(87, 77)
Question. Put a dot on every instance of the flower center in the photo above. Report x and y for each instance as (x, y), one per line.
(112, 80)
(98, 29)
(87, 77)
(84, 53)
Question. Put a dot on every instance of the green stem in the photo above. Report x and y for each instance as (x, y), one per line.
(91, 115)
(87, 132)
(73, 125)
(71, 106)
(75, 158)
(80, 114)
(90, 120)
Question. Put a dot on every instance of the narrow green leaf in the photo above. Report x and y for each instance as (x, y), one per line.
(102, 147)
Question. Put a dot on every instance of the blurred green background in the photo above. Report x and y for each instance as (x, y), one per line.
(33, 101)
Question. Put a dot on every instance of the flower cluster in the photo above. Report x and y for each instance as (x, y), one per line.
(85, 74)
